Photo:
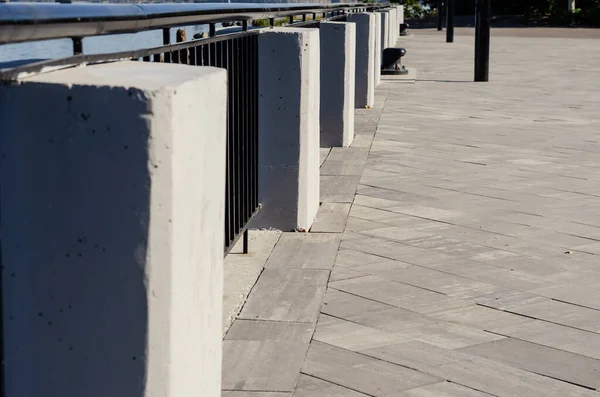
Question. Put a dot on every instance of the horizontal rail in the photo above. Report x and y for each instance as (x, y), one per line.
(21, 22)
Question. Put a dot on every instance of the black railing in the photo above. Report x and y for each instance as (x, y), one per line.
(237, 52)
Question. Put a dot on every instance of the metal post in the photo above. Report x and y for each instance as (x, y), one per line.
(244, 25)
(212, 30)
(167, 41)
(291, 21)
(303, 17)
(449, 21)
(440, 14)
(77, 46)
(271, 22)
(166, 36)
(245, 243)
(482, 39)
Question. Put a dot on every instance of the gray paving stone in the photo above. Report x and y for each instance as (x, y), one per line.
(338, 188)
(270, 330)
(331, 218)
(479, 317)
(576, 294)
(561, 313)
(397, 294)
(449, 335)
(421, 277)
(286, 295)
(443, 389)
(502, 380)
(371, 313)
(417, 355)
(333, 167)
(556, 336)
(344, 273)
(304, 250)
(260, 366)
(352, 336)
(314, 387)
(542, 360)
(361, 373)
(350, 258)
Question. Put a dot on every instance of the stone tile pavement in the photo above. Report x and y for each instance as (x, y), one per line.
(456, 253)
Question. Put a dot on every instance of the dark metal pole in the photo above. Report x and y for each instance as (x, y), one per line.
(212, 30)
(450, 21)
(77, 46)
(440, 14)
(482, 39)
(166, 36)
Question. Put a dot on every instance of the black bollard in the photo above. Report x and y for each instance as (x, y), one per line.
(482, 39)
(440, 14)
(450, 21)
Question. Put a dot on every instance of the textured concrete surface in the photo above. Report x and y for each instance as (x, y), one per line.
(112, 236)
(288, 157)
(338, 63)
(365, 59)
(468, 263)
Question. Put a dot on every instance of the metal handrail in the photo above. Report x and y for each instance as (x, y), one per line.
(21, 22)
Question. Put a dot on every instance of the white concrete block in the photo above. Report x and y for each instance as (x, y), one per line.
(338, 64)
(392, 38)
(378, 45)
(400, 17)
(289, 70)
(385, 29)
(365, 59)
(112, 218)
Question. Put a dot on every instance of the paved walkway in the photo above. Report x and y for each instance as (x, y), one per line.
(456, 252)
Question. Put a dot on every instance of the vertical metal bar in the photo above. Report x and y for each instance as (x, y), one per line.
(166, 36)
(238, 71)
(450, 21)
(243, 126)
(303, 17)
(194, 55)
(291, 19)
(314, 16)
(245, 247)
(245, 26)
(482, 39)
(440, 14)
(77, 45)
(212, 30)
(167, 41)
(234, 156)
(256, 125)
(271, 22)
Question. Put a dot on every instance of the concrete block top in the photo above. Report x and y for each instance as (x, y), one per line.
(141, 75)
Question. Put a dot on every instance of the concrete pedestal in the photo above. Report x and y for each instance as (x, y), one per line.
(289, 69)
(338, 63)
(378, 48)
(365, 59)
(392, 38)
(112, 218)
(385, 29)
(399, 19)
